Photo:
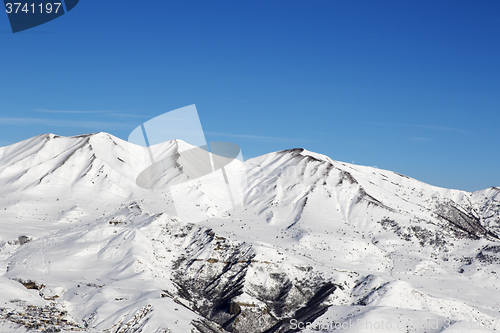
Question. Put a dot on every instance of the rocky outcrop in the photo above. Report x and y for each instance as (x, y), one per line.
(210, 285)
(463, 223)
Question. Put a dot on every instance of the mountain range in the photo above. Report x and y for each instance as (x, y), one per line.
(311, 244)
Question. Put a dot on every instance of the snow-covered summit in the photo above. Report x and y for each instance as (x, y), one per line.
(313, 240)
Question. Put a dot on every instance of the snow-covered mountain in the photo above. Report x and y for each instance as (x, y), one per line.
(316, 245)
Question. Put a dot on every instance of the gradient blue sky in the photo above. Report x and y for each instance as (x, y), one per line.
(409, 86)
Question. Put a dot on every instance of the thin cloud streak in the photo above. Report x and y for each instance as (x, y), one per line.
(104, 112)
(70, 112)
(130, 115)
(430, 127)
(63, 123)
(254, 137)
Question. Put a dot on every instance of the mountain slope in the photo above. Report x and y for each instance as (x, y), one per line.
(315, 240)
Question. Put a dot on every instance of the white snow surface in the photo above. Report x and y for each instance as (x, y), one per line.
(99, 251)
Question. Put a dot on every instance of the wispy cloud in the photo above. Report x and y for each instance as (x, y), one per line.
(103, 112)
(245, 136)
(443, 128)
(63, 123)
(70, 111)
(129, 115)
(429, 127)
(255, 137)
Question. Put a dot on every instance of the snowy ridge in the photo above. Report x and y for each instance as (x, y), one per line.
(316, 241)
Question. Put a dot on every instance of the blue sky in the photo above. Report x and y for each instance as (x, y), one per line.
(409, 86)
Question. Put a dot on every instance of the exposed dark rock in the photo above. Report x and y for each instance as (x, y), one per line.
(313, 309)
(41, 319)
(463, 223)
(29, 284)
(135, 324)
(346, 176)
(234, 308)
(424, 236)
(489, 254)
(218, 280)
(205, 326)
(294, 151)
(210, 285)
(23, 239)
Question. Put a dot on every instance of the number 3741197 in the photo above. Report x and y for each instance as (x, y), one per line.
(19, 8)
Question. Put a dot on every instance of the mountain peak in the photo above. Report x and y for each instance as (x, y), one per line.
(306, 228)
